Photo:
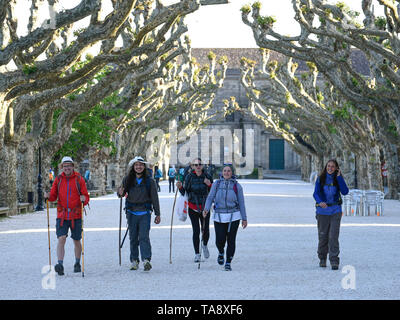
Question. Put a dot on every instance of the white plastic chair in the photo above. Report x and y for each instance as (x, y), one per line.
(346, 205)
(380, 199)
(373, 199)
(356, 202)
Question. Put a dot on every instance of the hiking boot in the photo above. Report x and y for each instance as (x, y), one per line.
(59, 268)
(228, 267)
(146, 265)
(197, 257)
(205, 251)
(135, 265)
(220, 259)
(77, 267)
(322, 263)
(335, 266)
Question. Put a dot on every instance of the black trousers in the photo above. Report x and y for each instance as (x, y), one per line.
(328, 237)
(222, 236)
(199, 223)
(171, 183)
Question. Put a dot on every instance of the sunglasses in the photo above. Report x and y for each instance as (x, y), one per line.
(197, 164)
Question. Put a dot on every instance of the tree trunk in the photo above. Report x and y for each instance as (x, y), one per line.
(363, 174)
(8, 181)
(26, 169)
(393, 172)
(347, 168)
(374, 169)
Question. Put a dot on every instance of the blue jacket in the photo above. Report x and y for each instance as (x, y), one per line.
(330, 194)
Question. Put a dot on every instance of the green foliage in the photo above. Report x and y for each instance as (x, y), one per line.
(247, 61)
(246, 9)
(344, 111)
(211, 55)
(331, 129)
(380, 22)
(297, 83)
(28, 126)
(223, 59)
(29, 68)
(311, 66)
(305, 9)
(354, 81)
(266, 21)
(256, 5)
(346, 9)
(392, 128)
(320, 97)
(283, 125)
(90, 129)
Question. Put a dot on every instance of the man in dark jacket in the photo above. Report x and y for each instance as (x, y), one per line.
(142, 199)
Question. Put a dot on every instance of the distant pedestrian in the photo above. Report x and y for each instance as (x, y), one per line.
(157, 177)
(210, 169)
(328, 187)
(171, 178)
(69, 190)
(87, 175)
(229, 208)
(142, 199)
(51, 176)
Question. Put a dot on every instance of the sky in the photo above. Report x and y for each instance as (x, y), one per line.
(220, 26)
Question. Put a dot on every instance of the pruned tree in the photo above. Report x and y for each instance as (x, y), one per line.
(311, 115)
(328, 35)
(39, 74)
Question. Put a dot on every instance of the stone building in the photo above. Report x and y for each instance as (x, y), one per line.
(271, 154)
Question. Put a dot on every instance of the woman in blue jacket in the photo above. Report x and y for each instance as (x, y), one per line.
(227, 196)
(328, 187)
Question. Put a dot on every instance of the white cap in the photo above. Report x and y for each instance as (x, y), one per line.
(136, 159)
(67, 159)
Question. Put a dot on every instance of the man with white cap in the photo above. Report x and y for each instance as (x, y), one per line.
(142, 199)
(69, 190)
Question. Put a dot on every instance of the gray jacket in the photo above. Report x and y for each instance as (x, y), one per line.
(225, 199)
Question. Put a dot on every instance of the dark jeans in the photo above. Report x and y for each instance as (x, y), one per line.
(171, 183)
(196, 219)
(222, 236)
(328, 236)
(158, 184)
(139, 230)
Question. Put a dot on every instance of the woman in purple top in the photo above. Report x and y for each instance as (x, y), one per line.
(328, 187)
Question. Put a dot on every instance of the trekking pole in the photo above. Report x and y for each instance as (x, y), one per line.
(120, 221)
(48, 230)
(202, 235)
(170, 234)
(123, 240)
(83, 244)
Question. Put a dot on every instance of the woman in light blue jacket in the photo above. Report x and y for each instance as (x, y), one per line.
(227, 196)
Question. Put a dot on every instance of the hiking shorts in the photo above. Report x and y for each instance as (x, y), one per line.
(76, 232)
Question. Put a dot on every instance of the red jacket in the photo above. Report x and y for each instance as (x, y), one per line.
(67, 193)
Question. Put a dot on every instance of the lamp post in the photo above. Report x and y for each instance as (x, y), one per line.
(39, 206)
(355, 173)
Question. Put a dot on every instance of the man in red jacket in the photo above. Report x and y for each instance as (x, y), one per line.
(69, 190)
